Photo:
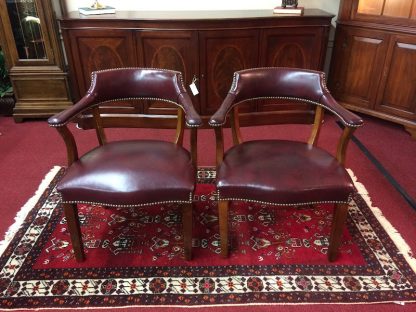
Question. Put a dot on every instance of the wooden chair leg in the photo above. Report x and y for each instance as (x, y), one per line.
(187, 230)
(223, 220)
(71, 214)
(338, 222)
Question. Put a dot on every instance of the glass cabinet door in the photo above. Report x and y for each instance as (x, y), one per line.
(26, 23)
(373, 7)
(27, 29)
(388, 8)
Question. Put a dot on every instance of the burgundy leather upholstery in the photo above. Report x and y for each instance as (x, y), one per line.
(130, 173)
(135, 172)
(282, 83)
(125, 83)
(282, 172)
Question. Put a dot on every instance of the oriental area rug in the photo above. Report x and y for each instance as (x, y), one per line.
(134, 256)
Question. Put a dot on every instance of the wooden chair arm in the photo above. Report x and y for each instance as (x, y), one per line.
(343, 144)
(71, 146)
(220, 116)
(62, 118)
(219, 143)
(348, 118)
(192, 118)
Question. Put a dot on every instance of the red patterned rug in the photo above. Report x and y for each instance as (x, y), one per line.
(134, 257)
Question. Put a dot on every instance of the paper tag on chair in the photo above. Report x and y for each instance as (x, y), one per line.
(193, 87)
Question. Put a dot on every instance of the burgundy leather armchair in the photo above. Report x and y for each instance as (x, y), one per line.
(131, 173)
(282, 172)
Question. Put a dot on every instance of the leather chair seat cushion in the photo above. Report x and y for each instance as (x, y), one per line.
(130, 173)
(282, 172)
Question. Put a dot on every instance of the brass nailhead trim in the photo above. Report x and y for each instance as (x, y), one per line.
(128, 206)
(286, 98)
(280, 204)
(324, 86)
(94, 81)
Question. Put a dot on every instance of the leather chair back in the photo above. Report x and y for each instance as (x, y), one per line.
(123, 84)
(267, 82)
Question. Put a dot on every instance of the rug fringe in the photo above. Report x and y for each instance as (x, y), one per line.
(396, 237)
(21, 215)
(215, 306)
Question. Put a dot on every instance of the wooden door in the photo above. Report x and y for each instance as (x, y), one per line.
(222, 53)
(175, 50)
(293, 47)
(357, 65)
(297, 47)
(397, 93)
(98, 49)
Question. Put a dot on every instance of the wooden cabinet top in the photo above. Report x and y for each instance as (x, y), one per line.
(202, 18)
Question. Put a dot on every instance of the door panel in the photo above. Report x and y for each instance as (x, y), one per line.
(222, 53)
(292, 47)
(357, 69)
(97, 50)
(398, 87)
(175, 50)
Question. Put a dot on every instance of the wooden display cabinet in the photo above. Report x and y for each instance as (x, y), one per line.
(206, 46)
(373, 66)
(176, 50)
(29, 37)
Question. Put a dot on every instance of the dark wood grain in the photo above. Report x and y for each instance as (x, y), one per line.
(208, 46)
(373, 63)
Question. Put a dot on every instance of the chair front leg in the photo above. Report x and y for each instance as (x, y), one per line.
(187, 230)
(223, 220)
(72, 220)
(338, 222)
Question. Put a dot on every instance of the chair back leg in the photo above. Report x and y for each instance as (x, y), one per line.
(187, 230)
(338, 222)
(72, 220)
(223, 221)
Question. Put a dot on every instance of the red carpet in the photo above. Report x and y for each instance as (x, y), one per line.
(33, 148)
(134, 258)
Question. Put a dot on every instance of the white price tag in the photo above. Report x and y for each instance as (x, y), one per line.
(193, 87)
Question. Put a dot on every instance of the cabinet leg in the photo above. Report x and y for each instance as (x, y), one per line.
(411, 130)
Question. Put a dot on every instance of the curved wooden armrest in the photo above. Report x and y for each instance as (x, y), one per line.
(62, 118)
(192, 118)
(220, 116)
(348, 118)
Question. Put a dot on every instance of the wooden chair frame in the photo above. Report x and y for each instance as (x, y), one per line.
(230, 106)
(90, 105)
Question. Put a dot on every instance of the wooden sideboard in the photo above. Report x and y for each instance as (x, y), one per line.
(373, 69)
(206, 46)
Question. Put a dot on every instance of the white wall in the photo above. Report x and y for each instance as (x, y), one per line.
(124, 5)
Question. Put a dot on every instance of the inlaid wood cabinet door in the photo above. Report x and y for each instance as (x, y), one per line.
(357, 65)
(221, 54)
(97, 50)
(398, 88)
(206, 46)
(293, 47)
(175, 50)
